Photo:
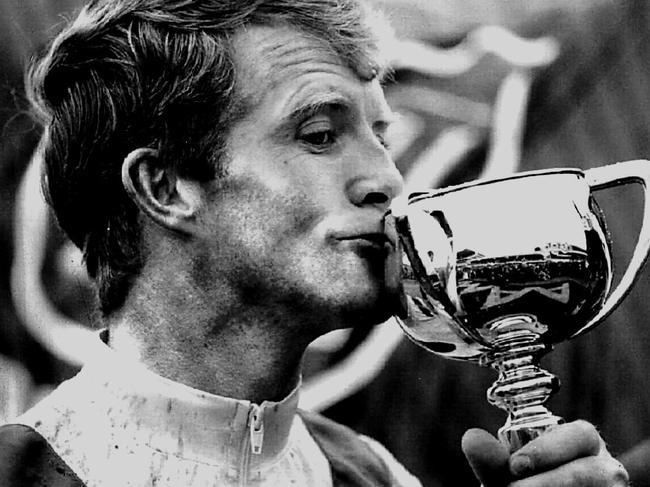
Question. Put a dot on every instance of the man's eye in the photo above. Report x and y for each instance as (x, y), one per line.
(318, 135)
(321, 138)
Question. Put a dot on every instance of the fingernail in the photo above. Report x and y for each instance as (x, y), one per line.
(520, 465)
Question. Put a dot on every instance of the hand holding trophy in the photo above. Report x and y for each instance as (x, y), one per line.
(498, 271)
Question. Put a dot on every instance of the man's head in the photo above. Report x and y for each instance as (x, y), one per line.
(164, 76)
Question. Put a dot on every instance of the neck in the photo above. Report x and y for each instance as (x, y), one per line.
(204, 330)
(235, 353)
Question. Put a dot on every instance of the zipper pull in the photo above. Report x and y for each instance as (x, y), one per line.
(256, 428)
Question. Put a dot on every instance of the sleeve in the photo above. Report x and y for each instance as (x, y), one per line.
(27, 460)
(400, 476)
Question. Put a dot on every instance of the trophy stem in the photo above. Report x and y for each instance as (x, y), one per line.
(522, 387)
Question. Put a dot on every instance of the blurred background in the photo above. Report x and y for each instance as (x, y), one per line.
(483, 87)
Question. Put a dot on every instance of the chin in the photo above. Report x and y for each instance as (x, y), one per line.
(344, 291)
(371, 308)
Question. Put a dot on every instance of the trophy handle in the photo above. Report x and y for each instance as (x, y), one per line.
(635, 171)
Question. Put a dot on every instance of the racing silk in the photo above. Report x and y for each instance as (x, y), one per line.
(118, 424)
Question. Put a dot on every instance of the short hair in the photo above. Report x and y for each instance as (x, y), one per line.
(159, 74)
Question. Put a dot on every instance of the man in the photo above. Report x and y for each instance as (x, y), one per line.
(223, 166)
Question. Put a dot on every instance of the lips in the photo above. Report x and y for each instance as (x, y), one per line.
(377, 240)
(362, 231)
(380, 239)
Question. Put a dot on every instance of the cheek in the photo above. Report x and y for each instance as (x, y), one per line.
(274, 220)
(254, 221)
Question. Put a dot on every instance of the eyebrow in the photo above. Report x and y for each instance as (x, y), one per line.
(315, 103)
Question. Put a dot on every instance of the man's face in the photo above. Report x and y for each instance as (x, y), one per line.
(296, 225)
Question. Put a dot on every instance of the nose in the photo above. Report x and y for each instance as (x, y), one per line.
(377, 183)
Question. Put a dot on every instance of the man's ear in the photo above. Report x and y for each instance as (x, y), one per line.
(169, 200)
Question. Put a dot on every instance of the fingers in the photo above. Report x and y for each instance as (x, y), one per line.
(487, 456)
(600, 471)
(555, 447)
(572, 454)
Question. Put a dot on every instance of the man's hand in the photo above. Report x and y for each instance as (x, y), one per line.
(570, 454)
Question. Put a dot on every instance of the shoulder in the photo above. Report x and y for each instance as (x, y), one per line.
(347, 451)
(75, 413)
(77, 400)
(53, 409)
(27, 460)
(401, 476)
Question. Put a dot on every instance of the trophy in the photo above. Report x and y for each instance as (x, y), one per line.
(498, 271)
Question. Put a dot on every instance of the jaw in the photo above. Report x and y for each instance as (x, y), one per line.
(348, 288)
(305, 285)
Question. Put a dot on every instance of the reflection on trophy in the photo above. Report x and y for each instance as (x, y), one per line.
(498, 271)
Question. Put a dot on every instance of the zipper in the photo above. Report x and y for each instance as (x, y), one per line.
(252, 443)
(256, 428)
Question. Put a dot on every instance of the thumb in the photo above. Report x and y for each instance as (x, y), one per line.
(487, 456)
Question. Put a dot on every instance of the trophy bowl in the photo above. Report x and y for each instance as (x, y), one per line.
(498, 271)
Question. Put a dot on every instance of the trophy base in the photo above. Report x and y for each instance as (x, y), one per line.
(522, 387)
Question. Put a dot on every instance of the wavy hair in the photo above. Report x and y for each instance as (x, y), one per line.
(159, 74)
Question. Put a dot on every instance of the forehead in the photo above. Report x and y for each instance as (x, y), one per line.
(272, 58)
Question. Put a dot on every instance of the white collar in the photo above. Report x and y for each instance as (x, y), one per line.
(186, 422)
